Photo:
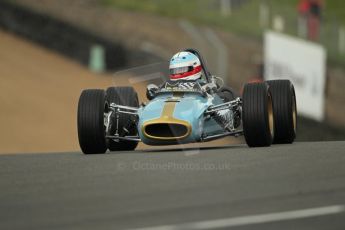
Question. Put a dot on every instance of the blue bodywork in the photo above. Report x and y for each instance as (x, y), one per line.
(189, 107)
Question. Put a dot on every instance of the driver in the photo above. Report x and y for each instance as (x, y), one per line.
(185, 66)
(184, 69)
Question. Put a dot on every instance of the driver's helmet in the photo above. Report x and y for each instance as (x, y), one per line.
(185, 66)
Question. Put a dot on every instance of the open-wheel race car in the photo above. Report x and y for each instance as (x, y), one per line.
(186, 111)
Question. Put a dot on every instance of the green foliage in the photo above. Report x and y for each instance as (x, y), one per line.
(244, 19)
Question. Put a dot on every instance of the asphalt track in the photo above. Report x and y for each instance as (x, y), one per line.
(299, 186)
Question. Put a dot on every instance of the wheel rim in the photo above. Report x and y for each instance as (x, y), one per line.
(294, 113)
(106, 110)
(270, 115)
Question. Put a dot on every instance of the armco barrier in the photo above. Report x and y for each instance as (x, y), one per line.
(60, 36)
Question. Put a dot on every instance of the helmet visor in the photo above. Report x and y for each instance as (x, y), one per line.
(180, 70)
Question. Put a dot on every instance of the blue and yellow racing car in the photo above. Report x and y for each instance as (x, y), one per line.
(192, 106)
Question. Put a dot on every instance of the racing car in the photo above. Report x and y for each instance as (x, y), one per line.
(180, 112)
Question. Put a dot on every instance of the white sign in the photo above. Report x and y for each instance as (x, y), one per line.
(304, 64)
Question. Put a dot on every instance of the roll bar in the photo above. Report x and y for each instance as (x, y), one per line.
(202, 62)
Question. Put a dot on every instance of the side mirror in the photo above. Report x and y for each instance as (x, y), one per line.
(151, 91)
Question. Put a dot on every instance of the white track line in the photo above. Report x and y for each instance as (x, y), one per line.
(155, 49)
(145, 78)
(193, 32)
(253, 219)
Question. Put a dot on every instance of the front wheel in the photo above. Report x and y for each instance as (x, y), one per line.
(257, 115)
(126, 126)
(91, 129)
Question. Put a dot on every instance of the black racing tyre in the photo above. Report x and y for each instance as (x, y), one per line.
(127, 126)
(257, 115)
(91, 129)
(227, 94)
(284, 110)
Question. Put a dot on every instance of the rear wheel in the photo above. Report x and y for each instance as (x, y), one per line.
(91, 130)
(257, 115)
(285, 111)
(127, 126)
(227, 94)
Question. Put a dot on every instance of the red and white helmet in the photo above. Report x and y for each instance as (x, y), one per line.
(185, 66)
